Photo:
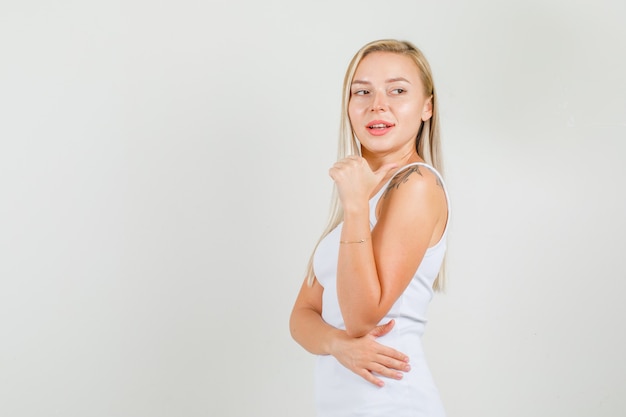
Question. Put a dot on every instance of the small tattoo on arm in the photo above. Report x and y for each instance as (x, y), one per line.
(401, 178)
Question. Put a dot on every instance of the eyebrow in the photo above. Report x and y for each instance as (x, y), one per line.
(388, 81)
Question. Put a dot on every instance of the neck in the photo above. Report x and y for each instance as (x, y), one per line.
(377, 161)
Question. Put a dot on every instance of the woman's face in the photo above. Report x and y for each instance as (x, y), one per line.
(387, 104)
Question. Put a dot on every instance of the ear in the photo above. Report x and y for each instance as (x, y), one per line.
(427, 111)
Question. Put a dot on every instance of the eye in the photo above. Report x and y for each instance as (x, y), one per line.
(398, 91)
(360, 92)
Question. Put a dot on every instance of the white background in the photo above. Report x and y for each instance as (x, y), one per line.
(163, 178)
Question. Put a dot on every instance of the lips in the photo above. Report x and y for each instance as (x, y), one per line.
(379, 127)
(379, 124)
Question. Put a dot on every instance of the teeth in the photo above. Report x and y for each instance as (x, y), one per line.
(378, 126)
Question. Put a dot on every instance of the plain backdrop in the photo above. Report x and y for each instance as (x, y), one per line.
(163, 179)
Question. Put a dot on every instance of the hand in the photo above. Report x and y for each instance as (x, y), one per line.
(366, 357)
(355, 180)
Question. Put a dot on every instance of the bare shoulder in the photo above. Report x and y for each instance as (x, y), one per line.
(414, 204)
(413, 181)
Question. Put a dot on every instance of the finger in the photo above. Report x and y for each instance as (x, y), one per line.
(382, 171)
(387, 372)
(352, 161)
(338, 167)
(393, 364)
(392, 353)
(336, 171)
(369, 377)
(383, 329)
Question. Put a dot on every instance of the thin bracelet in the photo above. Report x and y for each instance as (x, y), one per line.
(355, 241)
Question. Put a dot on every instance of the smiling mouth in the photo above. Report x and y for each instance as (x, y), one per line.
(380, 126)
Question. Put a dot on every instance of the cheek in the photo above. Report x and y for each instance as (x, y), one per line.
(410, 107)
(353, 112)
(410, 111)
(350, 109)
(357, 104)
(411, 114)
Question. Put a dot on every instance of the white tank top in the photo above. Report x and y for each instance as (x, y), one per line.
(339, 392)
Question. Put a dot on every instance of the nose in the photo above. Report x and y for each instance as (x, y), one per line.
(378, 103)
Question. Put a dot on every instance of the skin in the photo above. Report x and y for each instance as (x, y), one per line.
(411, 217)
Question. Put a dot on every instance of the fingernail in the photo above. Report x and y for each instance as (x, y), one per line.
(399, 375)
(407, 367)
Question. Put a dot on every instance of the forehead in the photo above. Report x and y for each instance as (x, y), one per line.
(386, 65)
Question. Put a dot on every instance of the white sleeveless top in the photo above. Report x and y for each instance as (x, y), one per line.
(341, 393)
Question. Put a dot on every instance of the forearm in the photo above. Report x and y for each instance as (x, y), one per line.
(363, 355)
(358, 287)
(312, 332)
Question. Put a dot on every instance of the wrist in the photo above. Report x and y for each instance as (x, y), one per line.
(355, 208)
(334, 341)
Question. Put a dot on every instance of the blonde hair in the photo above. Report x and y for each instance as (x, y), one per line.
(429, 149)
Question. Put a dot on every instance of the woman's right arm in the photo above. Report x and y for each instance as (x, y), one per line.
(362, 355)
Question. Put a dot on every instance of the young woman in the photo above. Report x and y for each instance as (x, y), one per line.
(362, 307)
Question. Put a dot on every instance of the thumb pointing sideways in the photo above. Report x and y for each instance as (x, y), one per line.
(384, 170)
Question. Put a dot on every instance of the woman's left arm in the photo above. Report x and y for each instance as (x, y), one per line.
(372, 274)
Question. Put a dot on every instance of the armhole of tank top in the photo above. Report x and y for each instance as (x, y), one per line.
(445, 192)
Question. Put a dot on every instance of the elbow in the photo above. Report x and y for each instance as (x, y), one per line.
(292, 326)
(297, 327)
(356, 329)
(359, 325)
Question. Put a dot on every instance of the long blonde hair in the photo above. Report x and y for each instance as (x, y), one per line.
(429, 149)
